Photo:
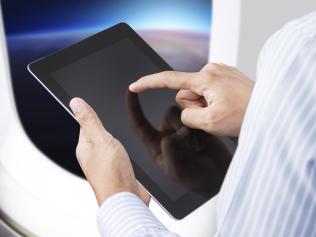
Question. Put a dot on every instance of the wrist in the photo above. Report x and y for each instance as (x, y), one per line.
(104, 190)
(103, 193)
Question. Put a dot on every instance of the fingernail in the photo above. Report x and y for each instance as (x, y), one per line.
(132, 86)
(75, 106)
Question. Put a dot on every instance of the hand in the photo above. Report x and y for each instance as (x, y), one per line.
(214, 99)
(195, 159)
(102, 158)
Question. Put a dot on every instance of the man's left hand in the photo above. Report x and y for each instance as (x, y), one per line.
(102, 158)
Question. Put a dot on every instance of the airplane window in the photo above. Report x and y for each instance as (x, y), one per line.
(178, 30)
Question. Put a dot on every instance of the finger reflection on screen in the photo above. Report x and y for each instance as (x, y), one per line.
(191, 157)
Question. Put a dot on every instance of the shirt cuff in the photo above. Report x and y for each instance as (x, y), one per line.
(124, 214)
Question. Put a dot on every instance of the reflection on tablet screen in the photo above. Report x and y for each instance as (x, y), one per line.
(149, 126)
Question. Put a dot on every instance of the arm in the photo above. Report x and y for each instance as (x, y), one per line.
(124, 214)
(106, 165)
(214, 100)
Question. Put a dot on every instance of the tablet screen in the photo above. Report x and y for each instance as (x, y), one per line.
(181, 167)
(102, 79)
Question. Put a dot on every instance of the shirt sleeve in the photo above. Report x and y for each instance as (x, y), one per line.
(124, 214)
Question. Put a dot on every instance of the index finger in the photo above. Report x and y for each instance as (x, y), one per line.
(147, 133)
(166, 79)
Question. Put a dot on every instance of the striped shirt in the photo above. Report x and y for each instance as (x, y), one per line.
(270, 187)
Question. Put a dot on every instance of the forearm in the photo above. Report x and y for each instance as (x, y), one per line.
(124, 214)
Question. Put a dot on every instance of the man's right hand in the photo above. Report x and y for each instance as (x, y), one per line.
(214, 99)
(173, 146)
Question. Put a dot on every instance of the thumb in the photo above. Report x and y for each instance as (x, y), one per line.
(88, 119)
(196, 117)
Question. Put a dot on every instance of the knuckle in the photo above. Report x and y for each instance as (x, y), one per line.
(166, 74)
(196, 77)
(213, 68)
(196, 85)
(107, 141)
(112, 142)
(223, 65)
(179, 96)
(210, 66)
(199, 82)
(87, 118)
(116, 149)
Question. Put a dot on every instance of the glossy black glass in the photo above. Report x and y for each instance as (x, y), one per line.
(182, 168)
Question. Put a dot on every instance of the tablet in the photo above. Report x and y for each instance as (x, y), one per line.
(180, 167)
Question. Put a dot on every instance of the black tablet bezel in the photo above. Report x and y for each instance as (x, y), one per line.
(44, 67)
